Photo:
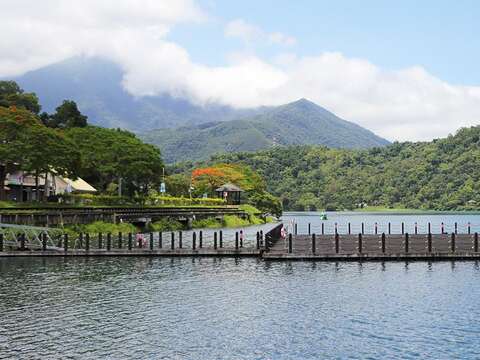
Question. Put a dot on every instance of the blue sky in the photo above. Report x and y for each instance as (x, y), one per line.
(406, 70)
(441, 36)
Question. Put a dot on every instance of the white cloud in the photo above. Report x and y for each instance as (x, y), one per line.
(403, 104)
(250, 33)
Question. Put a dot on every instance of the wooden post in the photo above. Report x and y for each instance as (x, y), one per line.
(200, 240)
(290, 245)
(309, 228)
(429, 228)
(456, 228)
(236, 240)
(215, 240)
(109, 241)
(349, 228)
(383, 243)
(22, 242)
(261, 237)
(296, 229)
(221, 238)
(44, 241)
(258, 240)
(160, 240)
(406, 243)
(1, 242)
(194, 240)
(469, 229)
(336, 228)
(443, 228)
(475, 242)
(151, 241)
(453, 242)
(360, 243)
(180, 240)
(87, 242)
(314, 245)
(376, 228)
(172, 241)
(363, 228)
(429, 242)
(416, 228)
(65, 242)
(130, 241)
(337, 244)
(100, 238)
(323, 229)
(120, 238)
(403, 228)
(389, 228)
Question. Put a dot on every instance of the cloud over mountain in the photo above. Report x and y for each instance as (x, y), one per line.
(398, 104)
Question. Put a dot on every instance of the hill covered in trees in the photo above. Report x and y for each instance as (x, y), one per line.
(443, 174)
(298, 123)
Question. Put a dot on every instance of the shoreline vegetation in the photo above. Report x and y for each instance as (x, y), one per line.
(168, 224)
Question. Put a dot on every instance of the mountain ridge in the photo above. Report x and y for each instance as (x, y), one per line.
(295, 123)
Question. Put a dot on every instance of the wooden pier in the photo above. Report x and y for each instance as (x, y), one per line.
(273, 245)
(375, 247)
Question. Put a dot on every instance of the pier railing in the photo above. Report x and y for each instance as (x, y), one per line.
(190, 242)
(389, 228)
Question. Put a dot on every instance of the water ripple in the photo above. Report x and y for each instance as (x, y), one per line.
(138, 308)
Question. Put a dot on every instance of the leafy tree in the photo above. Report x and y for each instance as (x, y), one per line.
(26, 144)
(12, 95)
(177, 185)
(67, 115)
(112, 154)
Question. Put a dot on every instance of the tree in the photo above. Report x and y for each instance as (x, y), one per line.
(26, 144)
(110, 154)
(12, 95)
(67, 115)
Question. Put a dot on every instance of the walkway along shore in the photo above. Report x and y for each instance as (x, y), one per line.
(273, 245)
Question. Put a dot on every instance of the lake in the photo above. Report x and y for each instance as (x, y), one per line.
(225, 308)
(369, 219)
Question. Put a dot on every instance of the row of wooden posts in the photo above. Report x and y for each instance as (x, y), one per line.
(85, 239)
(442, 228)
(383, 243)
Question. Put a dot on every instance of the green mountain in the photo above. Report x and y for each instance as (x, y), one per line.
(300, 122)
(442, 174)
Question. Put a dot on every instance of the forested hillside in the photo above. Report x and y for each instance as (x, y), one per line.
(443, 174)
(298, 123)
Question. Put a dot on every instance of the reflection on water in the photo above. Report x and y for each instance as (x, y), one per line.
(212, 308)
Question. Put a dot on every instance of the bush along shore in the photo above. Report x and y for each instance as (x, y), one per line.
(254, 217)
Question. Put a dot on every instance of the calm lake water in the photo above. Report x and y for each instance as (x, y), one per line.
(382, 219)
(222, 308)
(159, 308)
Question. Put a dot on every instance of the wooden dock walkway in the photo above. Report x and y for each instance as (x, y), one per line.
(375, 247)
(268, 246)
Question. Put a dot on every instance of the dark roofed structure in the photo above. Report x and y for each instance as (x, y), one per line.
(230, 192)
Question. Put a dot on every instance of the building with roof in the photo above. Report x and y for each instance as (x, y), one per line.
(21, 186)
(231, 193)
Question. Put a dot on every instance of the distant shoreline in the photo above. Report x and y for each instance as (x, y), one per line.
(392, 212)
